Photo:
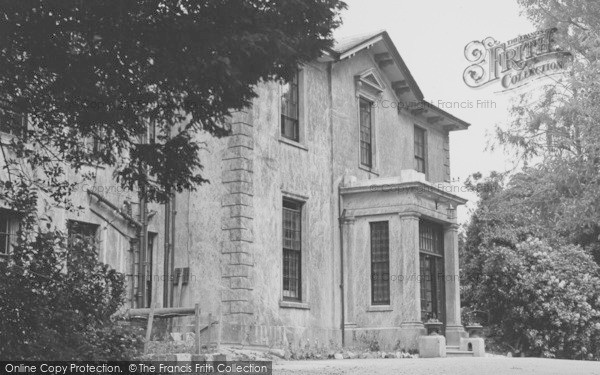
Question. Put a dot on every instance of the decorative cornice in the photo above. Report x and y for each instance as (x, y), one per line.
(418, 187)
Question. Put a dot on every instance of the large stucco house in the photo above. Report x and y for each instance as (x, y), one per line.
(327, 218)
(328, 215)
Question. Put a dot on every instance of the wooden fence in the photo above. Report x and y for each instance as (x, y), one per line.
(172, 312)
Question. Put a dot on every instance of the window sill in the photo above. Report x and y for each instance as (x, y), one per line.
(381, 308)
(293, 143)
(294, 305)
(369, 169)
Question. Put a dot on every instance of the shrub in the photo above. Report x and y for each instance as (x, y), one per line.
(57, 300)
(543, 300)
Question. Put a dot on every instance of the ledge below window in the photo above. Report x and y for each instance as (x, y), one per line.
(382, 308)
(294, 305)
(369, 169)
(293, 143)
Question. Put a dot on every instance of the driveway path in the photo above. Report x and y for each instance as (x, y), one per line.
(438, 366)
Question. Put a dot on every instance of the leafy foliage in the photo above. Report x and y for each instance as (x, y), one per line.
(109, 71)
(532, 248)
(57, 302)
(540, 293)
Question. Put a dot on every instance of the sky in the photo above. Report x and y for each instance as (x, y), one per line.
(431, 36)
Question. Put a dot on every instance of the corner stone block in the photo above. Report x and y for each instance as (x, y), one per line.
(239, 222)
(241, 258)
(432, 346)
(236, 247)
(241, 140)
(240, 307)
(235, 153)
(241, 235)
(241, 283)
(241, 128)
(236, 199)
(241, 211)
(235, 270)
(239, 187)
(229, 295)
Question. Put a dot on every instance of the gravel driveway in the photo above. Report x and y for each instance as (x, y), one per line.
(438, 366)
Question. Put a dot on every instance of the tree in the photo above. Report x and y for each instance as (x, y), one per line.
(95, 79)
(558, 129)
(109, 70)
(540, 293)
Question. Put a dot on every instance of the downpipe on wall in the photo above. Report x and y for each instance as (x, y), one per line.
(342, 292)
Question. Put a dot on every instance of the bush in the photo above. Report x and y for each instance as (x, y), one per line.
(57, 302)
(543, 300)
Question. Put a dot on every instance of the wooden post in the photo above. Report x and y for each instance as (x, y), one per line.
(210, 330)
(197, 330)
(219, 328)
(177, 300)
(149, 330)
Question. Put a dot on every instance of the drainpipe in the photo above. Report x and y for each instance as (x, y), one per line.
(341, 214)
(143, 244)
(341, 223)
(172, 250)
(166, 257)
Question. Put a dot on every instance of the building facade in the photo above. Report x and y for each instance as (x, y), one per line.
(328, 217)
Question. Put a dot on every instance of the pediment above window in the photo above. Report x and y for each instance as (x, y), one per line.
(369, 81)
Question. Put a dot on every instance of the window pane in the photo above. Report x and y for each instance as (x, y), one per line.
(431, 246)
(4, 233)
(292, 255)
(420, 149)
(380, 264)
(365, 132)
(290, 109)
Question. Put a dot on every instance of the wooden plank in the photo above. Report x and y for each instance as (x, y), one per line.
(162, 311)
(149, 330)
(197, 329)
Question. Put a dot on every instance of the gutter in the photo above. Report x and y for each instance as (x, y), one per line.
(114, 207)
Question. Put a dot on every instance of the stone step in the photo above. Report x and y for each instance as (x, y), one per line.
(458, 353)
(452, 347)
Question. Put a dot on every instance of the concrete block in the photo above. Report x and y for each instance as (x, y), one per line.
(239, 187)
(241, 128)
(228, 295)
(432, 346)
(236, 247)
(245, 211)
(241, 140)
(241, 283)
(237, 199)
(238, 222)
(238, 175)
(241, 258)
(229, 270)
(475, 345)
(454, 334)
(241, 235)
(240, 307)
(235, 163)
(236, 153)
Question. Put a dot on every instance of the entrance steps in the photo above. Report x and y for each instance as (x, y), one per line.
(454, 351)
